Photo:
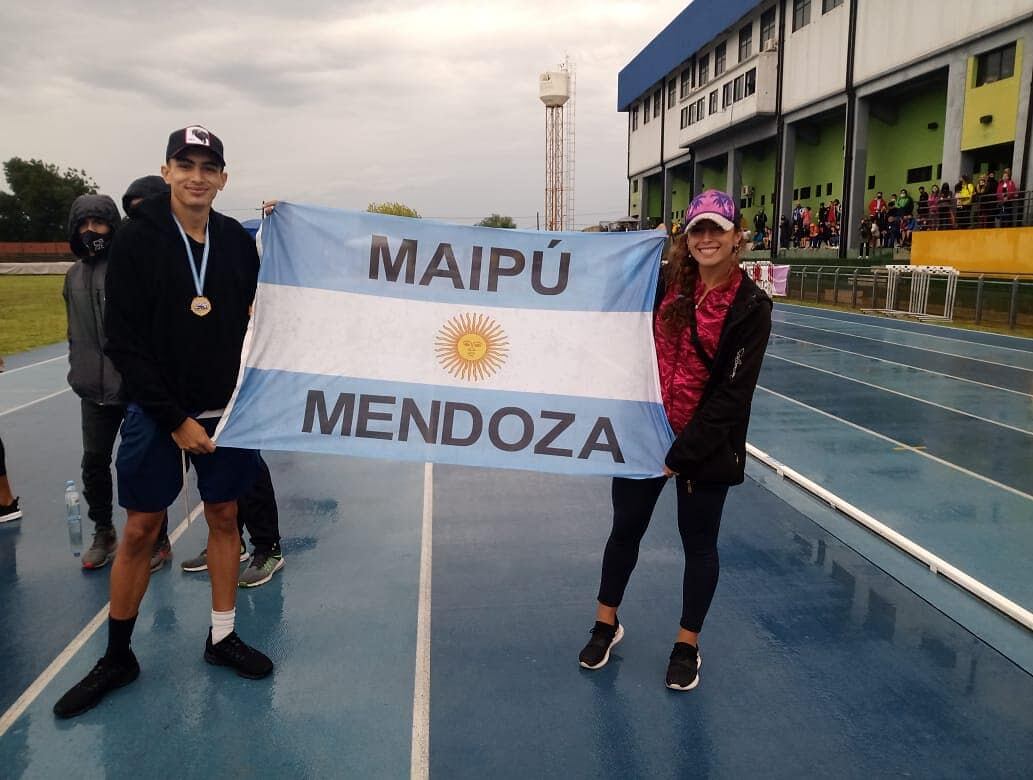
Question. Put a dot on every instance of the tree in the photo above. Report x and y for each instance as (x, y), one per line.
(497, 221)
(397, 209)
(41, 194)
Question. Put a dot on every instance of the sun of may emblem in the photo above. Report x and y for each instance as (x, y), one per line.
(471, 346)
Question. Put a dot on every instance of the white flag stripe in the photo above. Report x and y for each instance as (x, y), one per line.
(345, 334)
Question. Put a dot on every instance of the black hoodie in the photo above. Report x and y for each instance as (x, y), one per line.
(175, 364)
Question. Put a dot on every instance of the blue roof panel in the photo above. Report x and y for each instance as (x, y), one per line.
(700, 22)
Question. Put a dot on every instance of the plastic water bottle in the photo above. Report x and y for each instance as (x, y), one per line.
(74, 516)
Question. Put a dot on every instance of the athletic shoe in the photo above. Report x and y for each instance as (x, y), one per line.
(10, 512)
(102, 550)
(597, 652)
(200, 563)
(105, 677)
(162, 552)
(263, 566)
(232, 652)
(683, 670)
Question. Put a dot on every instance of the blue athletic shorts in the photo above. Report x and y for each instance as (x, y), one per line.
(150, 473)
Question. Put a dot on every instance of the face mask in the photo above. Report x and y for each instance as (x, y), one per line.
(95, 242)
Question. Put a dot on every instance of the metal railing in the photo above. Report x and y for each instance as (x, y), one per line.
(1001, 300)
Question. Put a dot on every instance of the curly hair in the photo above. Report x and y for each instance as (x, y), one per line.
(680, 273)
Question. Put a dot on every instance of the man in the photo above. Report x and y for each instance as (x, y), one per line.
(92, 222)
(257, 509)
(182, 278)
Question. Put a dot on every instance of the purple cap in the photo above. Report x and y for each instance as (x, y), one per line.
(714, 205)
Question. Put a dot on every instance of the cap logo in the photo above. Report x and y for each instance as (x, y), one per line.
(198, 135)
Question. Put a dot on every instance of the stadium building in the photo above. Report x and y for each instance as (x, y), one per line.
(807, 101)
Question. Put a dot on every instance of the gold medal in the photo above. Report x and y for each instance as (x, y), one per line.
(201, 306)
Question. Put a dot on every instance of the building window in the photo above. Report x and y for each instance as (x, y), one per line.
(685, 81)
(745, 42)
(767, 30)
(828, 5)
(817, 189)
(751, 82)
(684, 117)
(658, 102)
(995, 65)
(719, 59)
(701, 109)
(634, 185)
(796, 194)
(634, 119)
(801, 14)
(726, 95)
(672, 93)
(922, 174)
(737, 88)
(805, 193)
(646, 113)
(828, 188)
(871, 182)
(713, 102)
(704, 70)
(939, 171)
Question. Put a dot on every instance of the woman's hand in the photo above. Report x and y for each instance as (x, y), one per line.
(668, 472)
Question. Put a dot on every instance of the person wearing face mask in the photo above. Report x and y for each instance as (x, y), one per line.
(92, 222)
(711, 328)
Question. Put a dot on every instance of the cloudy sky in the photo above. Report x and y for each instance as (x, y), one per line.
(337, 103)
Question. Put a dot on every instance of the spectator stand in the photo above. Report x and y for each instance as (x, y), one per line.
(921, 278)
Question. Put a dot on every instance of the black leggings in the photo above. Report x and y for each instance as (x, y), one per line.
(699, 520)
(3, 464)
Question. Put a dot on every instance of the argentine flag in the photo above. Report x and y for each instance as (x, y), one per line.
(407, 339)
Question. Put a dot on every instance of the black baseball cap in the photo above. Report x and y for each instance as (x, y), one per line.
(195, 137)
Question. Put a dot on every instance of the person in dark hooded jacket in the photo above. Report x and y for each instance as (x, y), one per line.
(141, 189)
(92, 222)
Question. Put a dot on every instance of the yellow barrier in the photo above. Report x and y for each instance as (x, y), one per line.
(995, 250)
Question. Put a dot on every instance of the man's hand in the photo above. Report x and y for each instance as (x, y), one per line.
(192, 437)
(268, 206)
(668, 472)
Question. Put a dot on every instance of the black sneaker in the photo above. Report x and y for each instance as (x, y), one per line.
(232, 651)
(683, 670)
(10, 512)
(106, 676)
(597, 652)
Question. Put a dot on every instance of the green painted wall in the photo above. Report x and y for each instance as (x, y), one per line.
(758, 171)
(713, 175)
(894, 149)
(821, 163)
(681, 188)
(655, 196)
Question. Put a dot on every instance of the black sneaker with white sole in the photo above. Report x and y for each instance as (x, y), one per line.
(9, 512)
(683, 670)
(597, 652)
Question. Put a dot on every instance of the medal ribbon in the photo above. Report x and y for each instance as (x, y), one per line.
(198, 277)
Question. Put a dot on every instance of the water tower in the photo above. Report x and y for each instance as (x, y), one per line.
(555, 89)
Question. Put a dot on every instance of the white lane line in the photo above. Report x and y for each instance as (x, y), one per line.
(905, 346)
(896, 443)
(32, 365)
(37, 401)
(791, 308)
(33, 691)
(903, 365)
(902, 395)
(419, 762)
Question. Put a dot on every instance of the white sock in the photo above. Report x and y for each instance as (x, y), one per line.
(222, 624)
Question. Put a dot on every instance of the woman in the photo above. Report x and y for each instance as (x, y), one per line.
(947, 209)
(711, 329)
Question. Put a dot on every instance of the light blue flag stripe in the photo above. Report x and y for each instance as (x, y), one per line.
(331, 249)
(275, 408)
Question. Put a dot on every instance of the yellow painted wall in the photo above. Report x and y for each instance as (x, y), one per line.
(997, 250)
(999, 99)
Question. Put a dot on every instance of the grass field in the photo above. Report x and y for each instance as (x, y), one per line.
(32, 312)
